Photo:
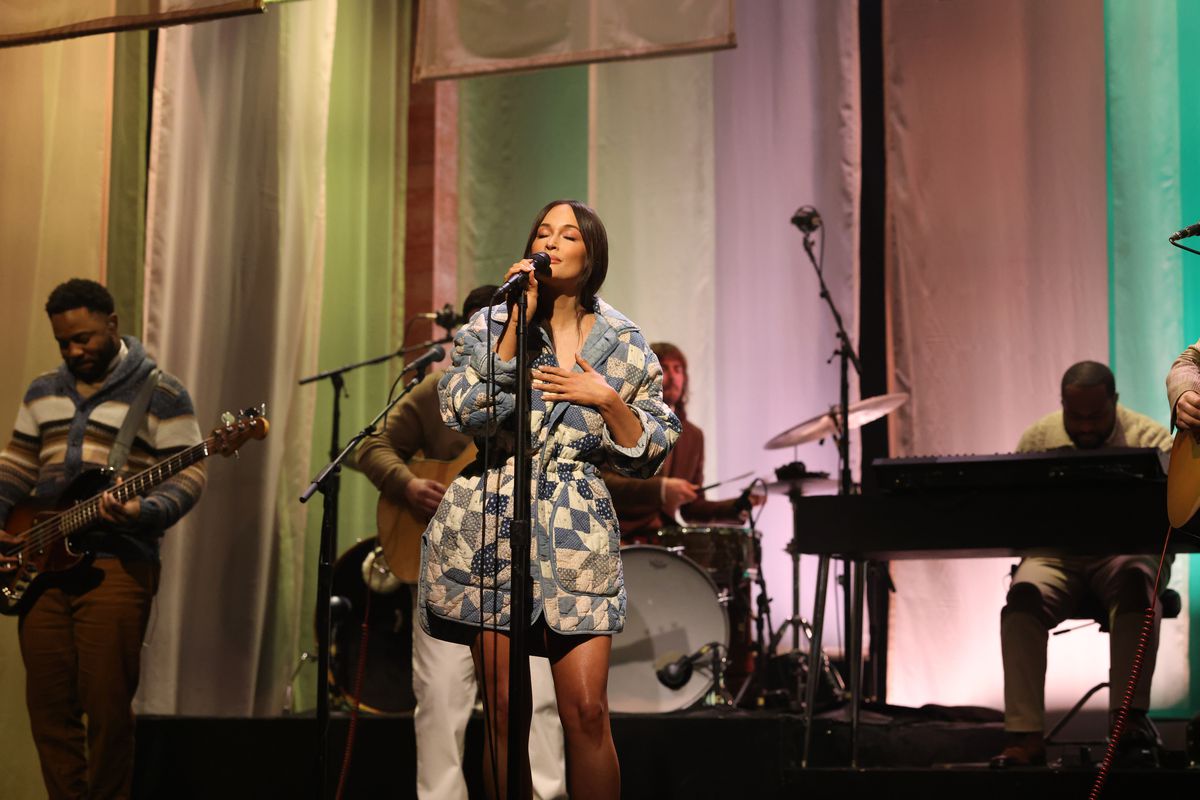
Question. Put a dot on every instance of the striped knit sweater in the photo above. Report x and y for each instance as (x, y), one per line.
(59, 434)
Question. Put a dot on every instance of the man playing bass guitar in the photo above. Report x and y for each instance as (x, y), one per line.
(81, 632)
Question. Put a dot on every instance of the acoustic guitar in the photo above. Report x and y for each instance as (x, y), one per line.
(46, 530)
(1183, 480)
(400, 526)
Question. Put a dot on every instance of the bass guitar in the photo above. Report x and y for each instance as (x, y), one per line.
(400, 526)
(45, 530)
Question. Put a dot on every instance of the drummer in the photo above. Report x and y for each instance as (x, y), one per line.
(645, 506)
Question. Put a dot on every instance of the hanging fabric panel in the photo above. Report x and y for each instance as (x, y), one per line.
(29, 21)
(457, 38)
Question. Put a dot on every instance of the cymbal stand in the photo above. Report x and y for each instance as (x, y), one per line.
(847, 356)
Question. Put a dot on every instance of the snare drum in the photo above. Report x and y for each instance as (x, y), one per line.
(726, 552)
(673, 610)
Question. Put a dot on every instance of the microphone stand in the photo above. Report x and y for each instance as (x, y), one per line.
(328, 482)
(335, 374)
(520, 534)
(846, 356)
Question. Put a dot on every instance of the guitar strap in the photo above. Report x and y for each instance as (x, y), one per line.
(119, 453)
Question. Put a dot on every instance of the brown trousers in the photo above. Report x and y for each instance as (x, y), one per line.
(81, 642)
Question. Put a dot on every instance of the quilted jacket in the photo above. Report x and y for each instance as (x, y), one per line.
(575, 562)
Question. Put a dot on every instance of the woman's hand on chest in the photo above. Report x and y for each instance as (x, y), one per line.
(587, 388)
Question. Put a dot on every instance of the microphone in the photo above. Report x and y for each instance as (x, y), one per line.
(806, 219)
(1186, 233)
(432, 356)
(742, 503)
(541, 265)
(446, 317)
(674, 674)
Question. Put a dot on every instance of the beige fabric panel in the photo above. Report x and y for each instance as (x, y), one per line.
(25, 22)
(456, 39)
(54, 155)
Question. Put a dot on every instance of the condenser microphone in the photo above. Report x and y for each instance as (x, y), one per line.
(806, 219)
(446, 317)
(432, 356)
(541, 265)
(1186, 233)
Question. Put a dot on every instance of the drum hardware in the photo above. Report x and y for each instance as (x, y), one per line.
(387, 659)
(289, 690)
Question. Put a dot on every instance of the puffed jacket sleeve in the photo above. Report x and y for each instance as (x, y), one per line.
(466, 404)
(641, 389)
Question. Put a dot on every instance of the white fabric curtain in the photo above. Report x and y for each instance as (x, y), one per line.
(998, 281)
(234, 266)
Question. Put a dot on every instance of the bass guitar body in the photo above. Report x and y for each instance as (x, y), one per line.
(41, 563)
(400, 526)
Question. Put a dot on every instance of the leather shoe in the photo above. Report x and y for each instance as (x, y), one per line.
(1021, 750)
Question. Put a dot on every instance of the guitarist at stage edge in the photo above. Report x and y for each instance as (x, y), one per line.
(81, 637)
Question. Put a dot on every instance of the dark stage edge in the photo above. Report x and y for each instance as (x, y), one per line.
(696, 754)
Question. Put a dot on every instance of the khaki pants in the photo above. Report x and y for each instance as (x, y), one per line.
(1047, 590)
(82, 645)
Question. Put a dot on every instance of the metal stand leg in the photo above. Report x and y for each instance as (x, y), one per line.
(858, 568)
(814, 657)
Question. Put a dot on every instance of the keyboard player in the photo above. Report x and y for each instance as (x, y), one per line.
(1050, 587)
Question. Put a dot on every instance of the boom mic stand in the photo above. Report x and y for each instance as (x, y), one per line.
(328, 482)
(808, 221)
(518, 621)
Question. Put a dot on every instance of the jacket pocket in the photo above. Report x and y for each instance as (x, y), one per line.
(586, 544)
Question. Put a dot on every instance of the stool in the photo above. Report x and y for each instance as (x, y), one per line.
(1172, 604)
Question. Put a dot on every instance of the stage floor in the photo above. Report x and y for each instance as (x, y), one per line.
(935, 753)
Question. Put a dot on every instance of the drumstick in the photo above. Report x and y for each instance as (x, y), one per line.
(727, 480)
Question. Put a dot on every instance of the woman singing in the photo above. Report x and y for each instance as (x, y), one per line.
(596, 401)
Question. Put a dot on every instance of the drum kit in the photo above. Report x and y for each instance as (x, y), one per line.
(692, 634)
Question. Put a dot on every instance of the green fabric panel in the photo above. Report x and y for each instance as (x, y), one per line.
(365, 199)
(127, 177)
(1151, 143)
(523, 141)
(1188, 25)
(1143, 199)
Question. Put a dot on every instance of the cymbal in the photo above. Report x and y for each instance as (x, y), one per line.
(825, 425)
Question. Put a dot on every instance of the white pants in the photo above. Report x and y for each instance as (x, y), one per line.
(444, 683)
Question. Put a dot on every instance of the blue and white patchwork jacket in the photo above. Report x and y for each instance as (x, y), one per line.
(575, 562)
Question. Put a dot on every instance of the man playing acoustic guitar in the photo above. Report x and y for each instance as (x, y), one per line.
(443, 673)
(81, 633)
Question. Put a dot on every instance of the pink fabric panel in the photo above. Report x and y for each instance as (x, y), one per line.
(997, 275)
(787, 135)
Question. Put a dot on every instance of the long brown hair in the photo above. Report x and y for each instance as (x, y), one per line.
(664, 351)
(595, 243)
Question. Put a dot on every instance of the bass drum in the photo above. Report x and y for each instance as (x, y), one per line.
(387, 673)
(672, 611)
